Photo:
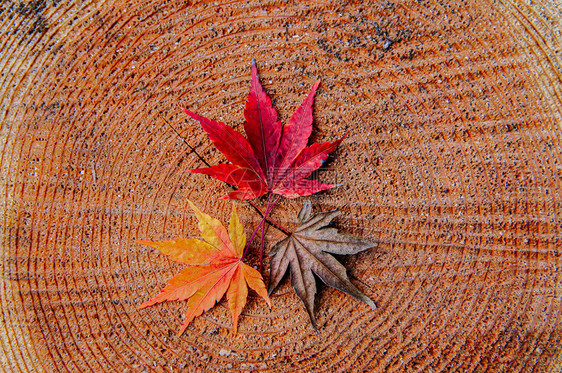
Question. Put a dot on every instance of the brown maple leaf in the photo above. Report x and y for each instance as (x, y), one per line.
(305, 253)
(215, 268)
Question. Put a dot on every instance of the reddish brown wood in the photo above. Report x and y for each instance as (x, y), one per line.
(452, 164)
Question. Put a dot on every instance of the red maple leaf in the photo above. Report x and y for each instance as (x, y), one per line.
(274, 158)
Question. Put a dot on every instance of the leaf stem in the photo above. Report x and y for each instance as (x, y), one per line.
(185, 142)
(263, 231)
(267, 211)
(269, 220)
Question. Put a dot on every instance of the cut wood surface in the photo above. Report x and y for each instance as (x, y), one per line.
(452, 165)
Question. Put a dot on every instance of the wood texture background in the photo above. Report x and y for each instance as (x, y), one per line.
(453, 164)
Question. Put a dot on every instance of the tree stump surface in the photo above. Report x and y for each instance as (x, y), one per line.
(453, 165)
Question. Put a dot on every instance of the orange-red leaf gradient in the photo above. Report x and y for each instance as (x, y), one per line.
(215, 267)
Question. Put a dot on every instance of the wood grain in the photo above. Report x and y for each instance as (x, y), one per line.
(453, 165)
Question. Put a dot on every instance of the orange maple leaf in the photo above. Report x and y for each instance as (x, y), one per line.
(215, 268)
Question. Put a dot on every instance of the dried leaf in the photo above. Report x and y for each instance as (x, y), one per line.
(215, 268)
(275, 158)
(306, 253)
